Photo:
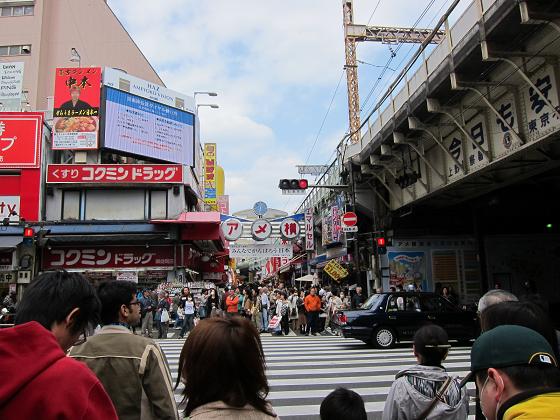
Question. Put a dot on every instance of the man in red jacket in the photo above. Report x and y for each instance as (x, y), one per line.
(58, 309)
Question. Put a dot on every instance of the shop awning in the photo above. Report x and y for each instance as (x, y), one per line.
(306, 278)
(10, 242)
(200, 228)
(211, 217)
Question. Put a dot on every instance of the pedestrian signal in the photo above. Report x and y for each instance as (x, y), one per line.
(381, 243)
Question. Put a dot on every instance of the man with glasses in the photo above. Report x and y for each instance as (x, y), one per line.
(38, 380)
(518, 377)
(133, 369)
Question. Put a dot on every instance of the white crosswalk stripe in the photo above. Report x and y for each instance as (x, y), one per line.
(302, 371)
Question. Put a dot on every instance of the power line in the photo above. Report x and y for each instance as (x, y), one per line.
(373, 13)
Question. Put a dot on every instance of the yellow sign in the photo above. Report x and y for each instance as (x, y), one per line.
(210, 174)
(335, 270)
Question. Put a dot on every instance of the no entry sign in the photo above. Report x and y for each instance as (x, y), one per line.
(349, 219)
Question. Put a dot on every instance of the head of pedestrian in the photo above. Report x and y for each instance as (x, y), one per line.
(146, 294)
(344, 404)
(493, 297)
(216, 346)
(64, 303)
(313, 291)
(359, 290)
(431, 345)
(516, 372)
(118, 303)
(186, 291)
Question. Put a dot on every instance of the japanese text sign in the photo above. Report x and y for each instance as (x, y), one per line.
(232, 229)
(20, 140)
(541, 117)
(261, 229)
(335, 270)
(223, 204)
(309, 239)
(260, 251)
(77, 95)
(108, 257)
(210, 173)
(289, 229)
(115, 174)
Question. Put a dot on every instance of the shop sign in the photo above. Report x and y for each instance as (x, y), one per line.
(108, 257)
(232, 229)
(541, 118)
(77, 96)
(128, 276)
(309, 238)
(335, 270)
(223, 204)
(20, 140)
(9, 208)
(8, 277)
(289, 229)
(11, 85)
(114, 174)
(210, 174)
(260, 251)
(261, 229)
(336, 222)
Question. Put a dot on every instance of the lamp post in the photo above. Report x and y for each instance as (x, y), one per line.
(205, 93)
(75, 57)
(214, 106)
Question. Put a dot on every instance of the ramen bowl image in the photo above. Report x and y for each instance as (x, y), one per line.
(75, 124)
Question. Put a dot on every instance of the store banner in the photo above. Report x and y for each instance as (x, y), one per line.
(111, 256)
(115, 174)
(309, 233)
(21, 135)
(210, 174)
(223, 204)
(335, 270)
(11, 85)
(77, 97)
(336, 224)
(260, 251)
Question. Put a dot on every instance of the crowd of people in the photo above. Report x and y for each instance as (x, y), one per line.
(115, 373)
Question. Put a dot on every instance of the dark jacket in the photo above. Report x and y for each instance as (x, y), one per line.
(358, 300)
(39, 381)
(147, 302)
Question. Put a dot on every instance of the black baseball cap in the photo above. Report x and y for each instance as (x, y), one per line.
(509, 345)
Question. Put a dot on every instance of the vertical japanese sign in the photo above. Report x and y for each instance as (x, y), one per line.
(223, 204)
(454, 162)
(541, 118)
(210, 174)
(309, 234)
(11, 84)
(336, 228)
(504, 141)
(77, 95)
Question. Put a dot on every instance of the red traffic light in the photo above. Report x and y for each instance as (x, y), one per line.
(303, 184)
(293, 184)
(381, 241)
(28, 232)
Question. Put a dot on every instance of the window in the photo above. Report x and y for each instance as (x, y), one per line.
(437, 304)
(15, 49)
(115, 204)
(404, 303)
(158, 204)
(71, 205)
(4, 50)
(7, 11)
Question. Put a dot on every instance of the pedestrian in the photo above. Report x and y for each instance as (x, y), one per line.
(426, 389)
(302, 315)
(493, 297)
(213, 304)
(215, 347)
(344, 404)
(176, 300)
(247, 303)
(189, 310)
(345, 301)
(133, 369)
(10, 302)
(265, 306)
(163, 309)
(57, 310)
(232, 304)
(283, 312)
(312, 304)
(257, 311)
(358, 299)
(148, 307)
(202, 311)
(293, 309)
(336, 305)
(241, 299)
(517, 374)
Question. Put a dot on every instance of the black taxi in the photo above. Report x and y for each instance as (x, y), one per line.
(387, 318)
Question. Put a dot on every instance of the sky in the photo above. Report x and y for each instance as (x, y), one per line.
(278, 69)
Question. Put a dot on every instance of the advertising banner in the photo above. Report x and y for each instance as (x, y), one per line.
(143, 127)
(11, 86)
(336, 228)
(309, 234)
(210, 174)
(223, 204)
(260, 251)
(335, 270)
(108, 257)
(77, 96)
(9, 208)
(20, 140)
(406, 267)
(115, 174)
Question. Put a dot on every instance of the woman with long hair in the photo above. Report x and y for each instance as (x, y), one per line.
(222, 365)
(213, 304)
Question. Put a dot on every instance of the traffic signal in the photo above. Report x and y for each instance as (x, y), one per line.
(28, 236)
(293, 184)
(381, 243)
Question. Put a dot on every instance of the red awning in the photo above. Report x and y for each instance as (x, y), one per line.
(211, 217)
(200, 228)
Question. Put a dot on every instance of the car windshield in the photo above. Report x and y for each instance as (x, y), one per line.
(373, 302)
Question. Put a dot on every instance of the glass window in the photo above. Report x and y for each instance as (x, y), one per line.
(6, 11)
(17, 11)
(437, 304)
(158, 204)
(29, 10)
(373, 302)
(4, 50)
(71, 205)
(404, 303)
(15, 50)
(115, 205)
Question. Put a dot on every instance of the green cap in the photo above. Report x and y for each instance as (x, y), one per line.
(509, 345)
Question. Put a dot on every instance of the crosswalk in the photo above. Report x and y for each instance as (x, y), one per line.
(302, 371)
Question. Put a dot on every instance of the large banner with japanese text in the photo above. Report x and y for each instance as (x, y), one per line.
(20, 140)
(77, 97)
(90, 258)
(210, 187)
(115, 174)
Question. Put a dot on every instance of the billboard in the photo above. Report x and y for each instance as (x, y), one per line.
(77, 96)
(143, 127)
(210, 196)
(406, 267)
(114, 174)
(11, 85)
(20, 140)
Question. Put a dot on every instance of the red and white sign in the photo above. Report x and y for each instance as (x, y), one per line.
(349, 219)
(309, 234)
(90, 258)
(9, 208)
(261, 229)
(223, 204)
(232, 229)
(289, 229)
(20, 139)
(114, 174)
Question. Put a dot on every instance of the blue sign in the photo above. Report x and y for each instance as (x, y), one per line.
(260, 208)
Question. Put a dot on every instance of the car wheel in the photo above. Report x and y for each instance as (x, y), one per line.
(383, 338)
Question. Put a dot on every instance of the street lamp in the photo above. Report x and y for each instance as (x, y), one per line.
(205, 93)
(75, 57)
(214, 106)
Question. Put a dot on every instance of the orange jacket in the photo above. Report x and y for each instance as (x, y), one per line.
(231, 303)
(312, 303)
